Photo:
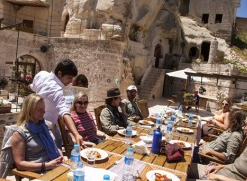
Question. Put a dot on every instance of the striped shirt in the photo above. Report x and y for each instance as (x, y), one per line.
(85, 125)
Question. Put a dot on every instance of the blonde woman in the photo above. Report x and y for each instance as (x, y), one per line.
(84, 122)
(33, 143)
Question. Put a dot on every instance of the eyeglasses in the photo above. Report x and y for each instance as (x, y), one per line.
(82, 103)
(225, 104)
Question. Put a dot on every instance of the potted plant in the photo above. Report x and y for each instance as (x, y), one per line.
(188, 97)
(3, 82)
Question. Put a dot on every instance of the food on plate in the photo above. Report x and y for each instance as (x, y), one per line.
(185, 130)
(161, 177)
(94, 152)
(179, 143)
(145, 122)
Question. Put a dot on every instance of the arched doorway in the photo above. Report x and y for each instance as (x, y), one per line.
(157, 55)
(81, 81)
(194, 53)
(26, 68)
(205, 48)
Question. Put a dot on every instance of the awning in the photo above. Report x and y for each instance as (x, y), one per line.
(182, 75)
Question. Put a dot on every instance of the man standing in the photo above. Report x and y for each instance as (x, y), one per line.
(131, 107)
(50, 87)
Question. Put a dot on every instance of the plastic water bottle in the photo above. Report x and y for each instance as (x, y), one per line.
(128, 134)
(180, 111)
(79, 173)
(106, 177)
(190, 120)
(128, 165)
(75, 157)
(169, 129)
(157, 139)
(158, 121)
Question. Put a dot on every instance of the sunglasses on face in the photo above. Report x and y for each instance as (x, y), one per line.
(82, 103)
(225, 104)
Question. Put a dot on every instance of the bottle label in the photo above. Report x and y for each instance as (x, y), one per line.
(128, 132)
(75, 158)
(169, 128)
(78, 177)
(158, 121)
(128, 161)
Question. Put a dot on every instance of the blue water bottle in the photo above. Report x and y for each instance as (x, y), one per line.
(74, 157)
(157, 139)
(79, 173)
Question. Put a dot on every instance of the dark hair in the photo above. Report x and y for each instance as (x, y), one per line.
(66, 67)
(237, 119)
(109, 101)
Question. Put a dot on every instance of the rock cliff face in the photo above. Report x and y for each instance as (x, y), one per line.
(140, 24)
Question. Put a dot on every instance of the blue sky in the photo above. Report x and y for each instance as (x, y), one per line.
(242, 11)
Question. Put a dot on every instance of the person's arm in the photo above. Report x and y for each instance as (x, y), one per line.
(71, 127)
(102, 134)
(218, 177)
(214, 153)
(18, 150)
(233, 145)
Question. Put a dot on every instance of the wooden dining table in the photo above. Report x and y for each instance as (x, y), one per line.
(116, 148)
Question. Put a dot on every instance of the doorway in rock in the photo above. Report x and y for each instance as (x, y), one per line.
(184, 7)
(205, 48)
(157, 55)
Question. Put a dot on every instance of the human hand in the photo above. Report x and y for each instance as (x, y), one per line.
(122, 106)
(79, 140)
(217, 177)
(212, 169)
(54, 163)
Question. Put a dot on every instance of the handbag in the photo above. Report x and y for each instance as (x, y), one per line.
(173, 152)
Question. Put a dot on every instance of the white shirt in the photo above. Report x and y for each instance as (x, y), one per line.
(50, 88)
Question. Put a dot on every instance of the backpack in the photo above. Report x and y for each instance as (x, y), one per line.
(6, 158)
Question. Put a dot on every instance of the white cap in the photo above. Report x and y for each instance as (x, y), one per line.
(132, 87)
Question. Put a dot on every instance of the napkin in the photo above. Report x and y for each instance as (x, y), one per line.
(145, 126)
(141, 148)
(90, 174)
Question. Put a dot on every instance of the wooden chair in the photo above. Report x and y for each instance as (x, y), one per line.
(143, 106)
(66, 143)
(97, 112)
(209, 158)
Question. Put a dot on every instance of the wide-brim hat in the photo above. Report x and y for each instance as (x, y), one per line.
(113, 92)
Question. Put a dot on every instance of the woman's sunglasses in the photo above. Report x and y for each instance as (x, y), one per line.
(82, 103)
(225, 104)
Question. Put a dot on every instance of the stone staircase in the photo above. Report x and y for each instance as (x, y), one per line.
(152, 87)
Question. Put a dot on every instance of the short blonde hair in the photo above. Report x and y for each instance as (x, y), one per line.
(28, 107)
(77, 96)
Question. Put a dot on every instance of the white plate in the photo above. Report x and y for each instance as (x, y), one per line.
(122, 132)
(149, 123)
(194, 116)
(187, 120)
(185, 130)
(151, 177)
(103, 153)
(147, 139)
(187, 145)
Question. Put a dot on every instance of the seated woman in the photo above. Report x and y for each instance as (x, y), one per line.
(220, 119)
(33, 143)
(84, 121)
(232, 172)
(110, 117)
(226, 146)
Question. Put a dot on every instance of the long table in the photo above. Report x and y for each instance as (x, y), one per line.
(116, 148)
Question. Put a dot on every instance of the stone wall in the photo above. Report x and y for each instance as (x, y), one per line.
(212, 7)
(241, 24)
(46, 20)
(101, 62)
(29, 44)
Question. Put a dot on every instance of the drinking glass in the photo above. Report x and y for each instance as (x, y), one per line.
(91, 158)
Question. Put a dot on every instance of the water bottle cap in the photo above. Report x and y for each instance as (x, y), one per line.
(106, 177)
(80, 164)
(76, 146)
(129, 125)
(130, 149)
